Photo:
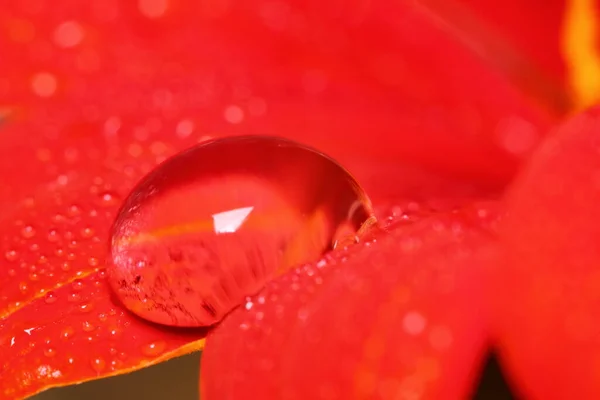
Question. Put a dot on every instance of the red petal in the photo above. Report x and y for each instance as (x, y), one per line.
(404, 315)
(531, 27)
(78, 332)
(550, 336)
(388, 69)
(90, 119)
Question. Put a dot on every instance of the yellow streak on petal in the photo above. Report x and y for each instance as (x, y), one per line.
(580, 32)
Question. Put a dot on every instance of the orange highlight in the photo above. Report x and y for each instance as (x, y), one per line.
(580, 31)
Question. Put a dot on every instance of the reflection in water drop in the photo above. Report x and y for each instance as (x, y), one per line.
(214, 223)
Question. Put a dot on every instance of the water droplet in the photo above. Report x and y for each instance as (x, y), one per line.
(86, 307)
(414, 323)
(153, 8)
(93, 262)
(233, 114)
(184, 128)
(109, 199)
(23, 287)
(49, 352)
(154, 349)
(87, 233)
(67, 332)
(28, 232)
(11, 255)
(50, 297)
(74, 210)
(44, 84)
(12, 272)
(68, 34)
(74, 297)
(98, 364)
(252, 207)
(87, 326)
(77, 284)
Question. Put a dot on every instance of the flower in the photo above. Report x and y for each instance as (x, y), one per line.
(435, 106)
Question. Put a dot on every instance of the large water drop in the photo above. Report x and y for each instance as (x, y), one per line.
(213, 224)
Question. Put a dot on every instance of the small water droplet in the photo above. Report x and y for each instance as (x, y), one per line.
(93, 262)
(28, 232)
(68, 34)
(87, 326)
(67, 332)
(87, 233)
(263, 201)
(44, 84)
(74, 210)
(98, 364)
(109, 199)
(77, 284)
(50, 352)
(23, 287)
(11, 255)
(86, 307)
(74, 297)
(154, 349)
(50, 297)
(12, 272)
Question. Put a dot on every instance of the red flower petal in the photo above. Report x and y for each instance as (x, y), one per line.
(550, 335)
(404, 315)
(343, 69)
(78, 332)
(94, 100)
(531, 27)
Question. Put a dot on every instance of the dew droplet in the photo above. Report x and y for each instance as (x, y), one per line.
(50, 352)
(154, 349)
(77, 284)
(74, 297)
(11, 255)
(98, 364)
(109, 199)
(153, 8)
(87, 326)
(44, 84)
(67, 332)
(228, 213)
(86, 307)
(68, 34)
(87, 233)
(50, 297)
(28, 232)
(74, 210)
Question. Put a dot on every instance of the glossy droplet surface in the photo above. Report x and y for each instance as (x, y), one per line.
(214, 223)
